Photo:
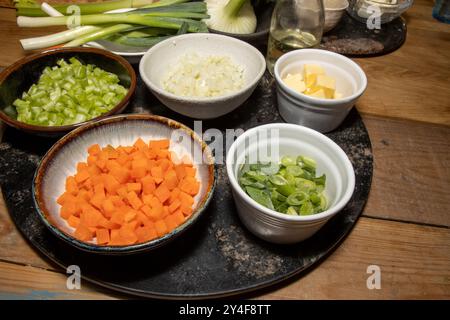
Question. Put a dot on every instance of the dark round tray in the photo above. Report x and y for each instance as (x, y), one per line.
(217, 257)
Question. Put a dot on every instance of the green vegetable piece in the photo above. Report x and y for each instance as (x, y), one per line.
(288, 161)
(291, 211)
(270, 168)
(260, 196)
(297, 198)
(278, 180)
(306, 209)
(295, 170)
(320, 180)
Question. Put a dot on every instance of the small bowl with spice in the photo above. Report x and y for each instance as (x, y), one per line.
(317, 88)
(288, 181)
(201, 75)
(53, 92)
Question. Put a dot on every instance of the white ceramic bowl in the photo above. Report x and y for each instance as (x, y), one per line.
(334, 9)
(156, 62)
(292, 140)
(323, 115)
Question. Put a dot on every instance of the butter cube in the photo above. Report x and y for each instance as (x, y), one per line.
(328, 84)
(310, 73)
(318, 94)
(295, 82)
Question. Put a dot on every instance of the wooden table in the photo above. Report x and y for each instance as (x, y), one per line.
(405, 226)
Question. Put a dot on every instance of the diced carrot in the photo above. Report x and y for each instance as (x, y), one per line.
(81, 176)
(91, 160)
(148, 184)
(174, 206)
(127, 235)
(136, 187)
(102, 236)
(134, 200)
(83, 233)
(170, 222)
(178, 217)
(190, 171)
(157, 174)
(161, 228)
(162, 193)
(94, 149)
(186, 210)
(69, 208)
(171, 179)
(174, 195)
(130, 215)
(65, 197)
(122, 191)
(91, 218)
(81, 166)
(73, 221)
(139, 168)
(108, 207)
(140, 145)
(186, 199)
(71, 185)
(129, 194)
(111, 184)
(145, 233)
(160, 144)
(181, 171)
(118, 217)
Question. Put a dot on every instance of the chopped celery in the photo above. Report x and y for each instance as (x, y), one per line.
(69, 93)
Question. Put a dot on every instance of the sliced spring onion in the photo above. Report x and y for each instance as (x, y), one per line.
(289, 187)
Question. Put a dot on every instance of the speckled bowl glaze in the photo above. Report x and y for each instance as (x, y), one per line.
(19, 77)
(276, 140)
(60, 161)
(157, 61)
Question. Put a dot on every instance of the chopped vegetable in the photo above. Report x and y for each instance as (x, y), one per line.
(194, 75)
(69, 93)
(290, 186)
(115, 199)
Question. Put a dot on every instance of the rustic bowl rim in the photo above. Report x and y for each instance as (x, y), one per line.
(16, 66)
(129, 249)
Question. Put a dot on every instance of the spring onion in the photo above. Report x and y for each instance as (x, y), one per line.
(232, 16)
(289, 187)
(69, 93)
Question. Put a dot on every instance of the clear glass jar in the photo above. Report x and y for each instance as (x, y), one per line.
(295, 24)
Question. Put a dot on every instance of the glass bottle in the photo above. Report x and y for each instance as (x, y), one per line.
(295, 24)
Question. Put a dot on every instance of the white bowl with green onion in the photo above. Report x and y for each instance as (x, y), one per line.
(224, 74)
(288, 181)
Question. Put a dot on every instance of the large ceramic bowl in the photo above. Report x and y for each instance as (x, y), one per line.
(61, 161)
(323, 115)
(157, 62)
(19, 77)
(277, 140)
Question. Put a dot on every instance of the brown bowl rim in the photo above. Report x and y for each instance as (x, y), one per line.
(138, 247)
(58, 129)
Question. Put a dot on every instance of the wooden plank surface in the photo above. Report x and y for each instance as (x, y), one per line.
(403, 253)
(411, 180)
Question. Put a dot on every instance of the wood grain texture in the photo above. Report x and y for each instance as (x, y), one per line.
(411, 180)
(413, 260)
(30, 283)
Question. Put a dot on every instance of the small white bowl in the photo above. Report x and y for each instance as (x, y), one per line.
(334, 9)
(292, 140)
(156, 63)
(323, 115)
